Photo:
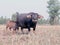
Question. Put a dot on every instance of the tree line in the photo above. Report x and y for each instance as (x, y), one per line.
(3, 20)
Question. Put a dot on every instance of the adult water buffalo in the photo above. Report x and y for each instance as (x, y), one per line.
(27, 20)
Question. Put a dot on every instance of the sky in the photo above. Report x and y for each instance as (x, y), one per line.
(9, 7)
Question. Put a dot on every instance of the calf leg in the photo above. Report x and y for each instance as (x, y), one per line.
(10, 28)
(6, 27)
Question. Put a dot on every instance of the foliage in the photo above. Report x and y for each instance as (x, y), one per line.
(14, 16)
(43, 21)
(53, 10)
(3, 20)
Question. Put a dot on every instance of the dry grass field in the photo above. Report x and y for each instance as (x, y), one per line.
(45, 35)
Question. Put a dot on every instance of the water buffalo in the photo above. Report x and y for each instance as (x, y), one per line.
(27, 20)
(10, 24)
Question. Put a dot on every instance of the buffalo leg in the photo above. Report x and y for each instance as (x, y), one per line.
(29, 28)
(22, 29)
(16, 27)
(34, 29)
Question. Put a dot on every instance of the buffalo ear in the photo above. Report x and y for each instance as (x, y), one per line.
(28, 16)
(39, 16)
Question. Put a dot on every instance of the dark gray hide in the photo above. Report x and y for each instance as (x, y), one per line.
(24, 22)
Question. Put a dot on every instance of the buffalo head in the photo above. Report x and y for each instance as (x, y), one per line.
(34, 16)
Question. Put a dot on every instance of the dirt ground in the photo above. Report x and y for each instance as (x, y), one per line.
(44, 35)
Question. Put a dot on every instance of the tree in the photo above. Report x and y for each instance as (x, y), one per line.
(3, 20)
(14, 16)
(53, 10)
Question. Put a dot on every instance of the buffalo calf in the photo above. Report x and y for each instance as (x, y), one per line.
(10, 24)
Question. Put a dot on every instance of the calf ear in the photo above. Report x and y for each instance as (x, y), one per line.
(28, 16)
(39, 16)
